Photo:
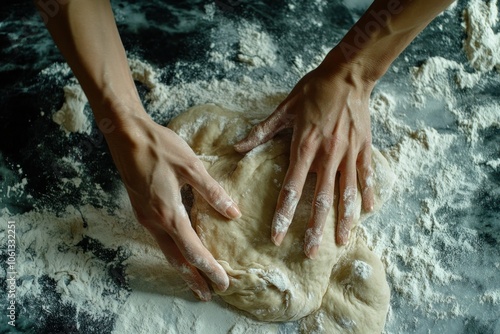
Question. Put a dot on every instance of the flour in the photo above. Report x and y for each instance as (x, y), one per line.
(222, 59)
(495, 164)
(17, 189)
(481, 47)
(51, 246)
(422, 163)
(72, 117)
(256, 48)
(492, 297)
(480, 118)
(361, 269)
(244, 94)
(482, 43)
(349, 201)
(165, 99)
(431, 79)
(78, 275)
(274, 277)
(421, 160)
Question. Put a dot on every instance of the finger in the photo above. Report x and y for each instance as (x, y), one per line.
(194, 252)
(264, 131)
(323, 200)
(300, 163)
(347, 200)
(198, 177)
(188, 272)
(366, 178)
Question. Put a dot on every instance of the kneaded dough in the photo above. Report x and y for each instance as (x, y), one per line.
(357, 298)
(280, 283)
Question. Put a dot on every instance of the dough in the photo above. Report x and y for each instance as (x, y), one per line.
(357, 298)
(279, 283)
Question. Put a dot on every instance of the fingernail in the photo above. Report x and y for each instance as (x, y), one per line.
(222, 286)
(312, 251)
(312, 241)
(233, 211)
(205, 297)
(278, 238)
(279, 228)
(222, 280)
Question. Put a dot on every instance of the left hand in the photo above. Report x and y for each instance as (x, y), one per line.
(329, 114)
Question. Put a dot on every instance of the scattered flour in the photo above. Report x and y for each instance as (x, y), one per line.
(492, 297)
(244, 94)
(254, 49)
(361, 269)
(494, 163)
(47, 245)
(481, 47)
(50, 245)
(481, 117)
(164, 99)
(482, 43)
(72, 116)
(432, 79)
(256, 46)
(382, 109)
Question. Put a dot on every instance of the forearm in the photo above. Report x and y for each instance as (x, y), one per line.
(381, 34)
(86, 34)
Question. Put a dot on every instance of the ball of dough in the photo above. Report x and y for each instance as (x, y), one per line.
(269, 282)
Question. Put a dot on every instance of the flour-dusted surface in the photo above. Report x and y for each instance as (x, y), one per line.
(435, 115)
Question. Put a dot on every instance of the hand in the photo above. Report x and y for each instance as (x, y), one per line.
(328, 111)
(154, 163)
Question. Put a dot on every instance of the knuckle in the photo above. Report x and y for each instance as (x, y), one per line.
(291, 192)
(314, 232)
(365, 164)
(336, 141)
(168, 227)
(366, 174)
(323, 202)
(198, 261)
(306, 146)
(258, 132)
(314, 236)
(290, 196)
(215, 193)
(192, 167)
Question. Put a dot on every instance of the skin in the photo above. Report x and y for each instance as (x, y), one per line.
(152, 160)
(327, 109)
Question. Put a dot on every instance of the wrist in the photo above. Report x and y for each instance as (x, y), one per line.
(360, 62)
(356, 71)
(119, 117)
(374, 41)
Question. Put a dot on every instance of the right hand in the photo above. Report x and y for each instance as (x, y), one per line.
(328, 112)
(154, 163)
